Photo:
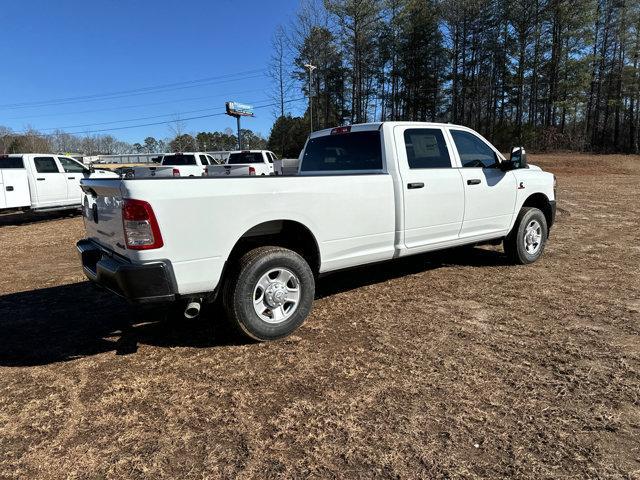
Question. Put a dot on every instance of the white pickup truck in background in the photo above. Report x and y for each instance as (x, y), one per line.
(364, 193)
(42, 181)
(247, 162)
(180, 164)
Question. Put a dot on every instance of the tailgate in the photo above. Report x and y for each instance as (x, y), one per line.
(231, 170)
(143, 172)
(102, 212)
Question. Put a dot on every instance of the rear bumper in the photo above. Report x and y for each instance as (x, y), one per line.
(152, 282)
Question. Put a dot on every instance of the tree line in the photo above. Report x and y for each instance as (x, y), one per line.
(549, 74)
(32, 141)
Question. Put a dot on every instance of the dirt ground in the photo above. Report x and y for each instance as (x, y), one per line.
(450, 365)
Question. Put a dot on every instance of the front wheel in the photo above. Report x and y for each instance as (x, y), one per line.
(525, 243)
(269, 293)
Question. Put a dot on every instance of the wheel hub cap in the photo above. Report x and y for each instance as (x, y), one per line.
(533, 237)
(276, 295)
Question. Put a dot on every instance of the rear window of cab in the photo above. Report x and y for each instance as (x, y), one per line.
(239, 158)
(178, 160)
(344, 152)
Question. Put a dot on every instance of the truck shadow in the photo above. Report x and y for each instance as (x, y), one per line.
(33, 217)
(346, 280)
(78, 320)
(73, 321)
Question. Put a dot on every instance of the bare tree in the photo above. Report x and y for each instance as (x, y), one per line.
(177, 126)
(280, 72)
(6, 139)
(280, 69)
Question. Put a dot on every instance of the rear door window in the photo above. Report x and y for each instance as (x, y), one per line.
(426, 148)
(11, 162)
(203, 160)
(354, 151)
(46, 165)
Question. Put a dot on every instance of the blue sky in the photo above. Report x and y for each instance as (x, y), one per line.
(58, 50)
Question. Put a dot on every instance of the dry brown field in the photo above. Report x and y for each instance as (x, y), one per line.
(448, 365)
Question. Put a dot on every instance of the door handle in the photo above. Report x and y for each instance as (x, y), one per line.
(71, 178)
(415, 185)
(9, 189)
(41, 179)
(473, 181)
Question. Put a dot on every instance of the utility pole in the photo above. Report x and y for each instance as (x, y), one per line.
(311, 68)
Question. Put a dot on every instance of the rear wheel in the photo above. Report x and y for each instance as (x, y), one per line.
(526, 241)
(269, 293)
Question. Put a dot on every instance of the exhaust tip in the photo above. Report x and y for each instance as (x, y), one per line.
(192, 310)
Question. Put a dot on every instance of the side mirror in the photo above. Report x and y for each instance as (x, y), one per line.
(518, 158)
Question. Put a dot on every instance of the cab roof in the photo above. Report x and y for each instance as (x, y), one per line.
(361, 127)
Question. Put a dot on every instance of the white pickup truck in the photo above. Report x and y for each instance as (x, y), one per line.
(247, 162)
(365, 193)
(42, 181)
(180, 164)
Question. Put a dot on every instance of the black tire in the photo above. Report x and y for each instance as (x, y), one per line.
(242, 284)
(514, 243)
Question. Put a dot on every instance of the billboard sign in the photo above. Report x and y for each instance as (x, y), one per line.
(236, 109)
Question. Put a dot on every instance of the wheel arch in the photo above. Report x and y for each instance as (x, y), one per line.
(540, 201)
(284, 233)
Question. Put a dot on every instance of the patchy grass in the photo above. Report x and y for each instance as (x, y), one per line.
(447, 365)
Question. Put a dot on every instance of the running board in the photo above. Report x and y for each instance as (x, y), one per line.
(56, 209)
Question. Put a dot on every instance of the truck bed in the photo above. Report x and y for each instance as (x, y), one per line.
(351, 216)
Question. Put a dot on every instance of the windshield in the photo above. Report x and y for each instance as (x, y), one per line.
(245, 157)
(357, 151)
(177, 160)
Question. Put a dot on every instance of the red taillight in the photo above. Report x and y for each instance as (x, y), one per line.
(339, 130)
(252, 171)
(206, 172)
(141, 230)
(176, 172)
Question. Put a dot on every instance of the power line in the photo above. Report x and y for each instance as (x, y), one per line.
(136, 92)
(135, 119)
(164, 102)
(125, 120)
(129, 127)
